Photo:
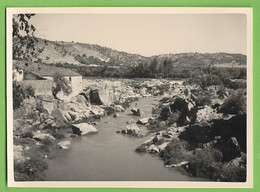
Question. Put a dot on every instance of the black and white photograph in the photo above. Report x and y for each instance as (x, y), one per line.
(129, 97)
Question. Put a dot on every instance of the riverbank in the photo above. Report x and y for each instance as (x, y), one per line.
(40, 123)
(181, 124)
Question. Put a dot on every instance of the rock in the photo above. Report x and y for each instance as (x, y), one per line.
(142, 148)
(132, 129)
(183, 163)
(143, 91)
(83, 129)
(27, 148)
(153, 149)
(232, 149)
(162, 124)
(94, 123)
(116, 115)
(64, 144)
(119, 108)
(237, 162)
(137, 112)
(163, 146)
(130, 121)
(144, 121)
(38, 136)
(73, 115)
(207, 114)
(94, 97)
(18, 153)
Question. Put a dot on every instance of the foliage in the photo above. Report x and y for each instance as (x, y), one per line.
(235, 104)
(175, 152)
(30, 170)
(18, 95)
(206, 163)
(23, 37)
(30, 91)
(60, 84)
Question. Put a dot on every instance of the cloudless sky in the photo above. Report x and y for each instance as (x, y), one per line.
(148, 34)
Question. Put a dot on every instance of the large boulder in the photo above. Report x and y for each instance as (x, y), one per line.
(83, 129)
(94, 97)
(231, 150)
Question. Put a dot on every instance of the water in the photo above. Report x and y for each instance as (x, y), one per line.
(108, 156)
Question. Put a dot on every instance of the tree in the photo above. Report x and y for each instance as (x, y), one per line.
(60, 84)
(23, 37)
(18, 95)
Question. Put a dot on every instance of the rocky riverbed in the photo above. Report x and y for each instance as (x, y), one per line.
(185, 125)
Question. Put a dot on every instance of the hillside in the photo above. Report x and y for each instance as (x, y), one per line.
(80, 53)
(51, 52)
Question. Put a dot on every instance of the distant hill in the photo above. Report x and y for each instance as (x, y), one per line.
(81, 53)
(51, 52)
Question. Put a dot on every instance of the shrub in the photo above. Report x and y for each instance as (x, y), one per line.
(175, 152)
(60, 84)
(206, 163)
(30, 91)
(233, 173)
(18, 95)
(236, 104)
(30, 170)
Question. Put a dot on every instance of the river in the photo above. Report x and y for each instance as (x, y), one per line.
(108, 156)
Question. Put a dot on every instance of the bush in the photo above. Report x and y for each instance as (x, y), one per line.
(236, 104)
(175, 152)
(206, 163)
(31, 170)
(233, 174)
(18, 95)
(29, 91)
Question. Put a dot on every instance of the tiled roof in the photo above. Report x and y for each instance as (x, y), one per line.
(43, 70)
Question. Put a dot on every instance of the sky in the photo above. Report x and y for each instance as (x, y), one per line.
(148, 34)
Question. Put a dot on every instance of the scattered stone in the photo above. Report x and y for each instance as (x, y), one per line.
(181, 164)
(64, 144)
(163, 146)
(153, 149)
(144, 120)
(137, 112)
(38, 136)
(130, 121)
(18, 153)
(83, 129)
(116, 115)
(119, 108)
(132, 129)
